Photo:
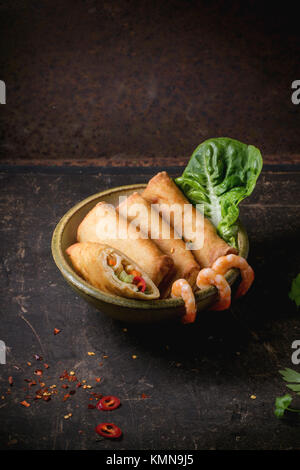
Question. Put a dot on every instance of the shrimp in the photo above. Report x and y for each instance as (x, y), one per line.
(207, 277)
(181, 288)
(222, 264)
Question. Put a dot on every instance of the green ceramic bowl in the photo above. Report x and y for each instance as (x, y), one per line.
(119, 308)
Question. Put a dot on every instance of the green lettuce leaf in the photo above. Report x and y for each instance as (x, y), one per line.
(294, 293)
(282, 404)
(220, 174)
(290, 375)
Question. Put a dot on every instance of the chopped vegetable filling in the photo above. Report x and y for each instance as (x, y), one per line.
(127, 273)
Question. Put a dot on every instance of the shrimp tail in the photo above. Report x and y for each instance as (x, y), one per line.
(246, 283)
(207, 277)
(224, 263)
(181, 288)
(188, 318)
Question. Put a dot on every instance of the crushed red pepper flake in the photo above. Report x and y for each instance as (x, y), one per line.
(25, 403)
(97, 396)
(72, 378)
(144, 396)
(56, 331)
(44, 394)
(10, 380)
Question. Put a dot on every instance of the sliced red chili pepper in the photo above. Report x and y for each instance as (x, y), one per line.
(140, 283)
(108, 403)
(109, 430)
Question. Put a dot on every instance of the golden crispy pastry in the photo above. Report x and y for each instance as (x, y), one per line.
(111, 271)
(103, 224)
(161, 189)
(139, 211)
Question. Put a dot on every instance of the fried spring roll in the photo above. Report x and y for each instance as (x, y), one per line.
(111, 271)
(103, 224)
(136, 209)
(162, 190)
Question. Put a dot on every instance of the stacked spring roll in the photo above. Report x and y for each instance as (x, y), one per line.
(111, 271)
(139, 249)
(162, 190)
(138, 210)
(103, 224)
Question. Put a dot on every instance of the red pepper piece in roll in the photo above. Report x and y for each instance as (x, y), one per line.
(140, 283)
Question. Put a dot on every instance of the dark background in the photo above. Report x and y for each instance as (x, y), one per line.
(144, 82)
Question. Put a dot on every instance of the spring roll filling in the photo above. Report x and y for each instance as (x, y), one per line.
(125, 272)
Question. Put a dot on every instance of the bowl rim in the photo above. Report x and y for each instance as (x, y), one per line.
(73, 278)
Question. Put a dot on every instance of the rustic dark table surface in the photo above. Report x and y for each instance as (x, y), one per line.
(188, 387)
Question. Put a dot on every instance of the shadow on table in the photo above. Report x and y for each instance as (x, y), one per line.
(257, 317)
